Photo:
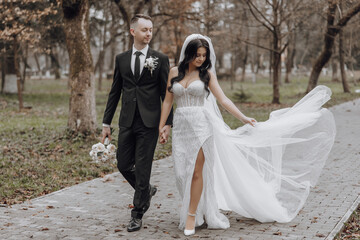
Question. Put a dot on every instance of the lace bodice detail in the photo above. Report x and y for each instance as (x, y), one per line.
(192, 96)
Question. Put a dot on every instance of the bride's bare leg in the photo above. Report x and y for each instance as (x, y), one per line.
(196, 189)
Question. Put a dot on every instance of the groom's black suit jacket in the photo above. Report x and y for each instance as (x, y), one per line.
(145, 93)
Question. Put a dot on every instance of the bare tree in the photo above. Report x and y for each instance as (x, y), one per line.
(332, 29)
(82, 112)
(18, 31)
(128, 8)
(341, 56)
(291, 49)
(271, 16)
(173, 21)
(334, 67)
(100, 41)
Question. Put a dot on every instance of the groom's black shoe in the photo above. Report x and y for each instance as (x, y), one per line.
(134, 224)
(153, 191)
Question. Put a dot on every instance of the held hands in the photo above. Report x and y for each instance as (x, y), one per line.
(106, 133)
(251, 121)
(164, 134)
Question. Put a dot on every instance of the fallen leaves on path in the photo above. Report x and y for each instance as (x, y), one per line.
(351, 229)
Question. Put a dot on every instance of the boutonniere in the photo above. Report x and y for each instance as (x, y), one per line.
(151, 63)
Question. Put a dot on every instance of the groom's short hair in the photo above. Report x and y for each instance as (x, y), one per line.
(136, 18)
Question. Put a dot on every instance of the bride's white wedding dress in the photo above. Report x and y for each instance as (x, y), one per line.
(262, 172)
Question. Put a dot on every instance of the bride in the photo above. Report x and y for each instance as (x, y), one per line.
(261, 170)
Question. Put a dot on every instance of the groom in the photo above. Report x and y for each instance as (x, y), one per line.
(141, 76)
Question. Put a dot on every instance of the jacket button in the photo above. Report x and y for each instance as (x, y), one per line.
(134, 99)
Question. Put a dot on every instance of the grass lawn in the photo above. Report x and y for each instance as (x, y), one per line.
(37, 156)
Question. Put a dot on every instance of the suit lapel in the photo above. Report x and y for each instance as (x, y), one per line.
(128, 64)
(149, 53)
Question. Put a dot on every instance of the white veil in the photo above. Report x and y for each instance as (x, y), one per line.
(265, 172)
(210, 103)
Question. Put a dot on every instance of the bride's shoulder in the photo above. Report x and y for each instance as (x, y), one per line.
(174, 71)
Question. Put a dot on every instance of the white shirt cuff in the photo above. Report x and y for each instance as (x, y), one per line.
(106, 125)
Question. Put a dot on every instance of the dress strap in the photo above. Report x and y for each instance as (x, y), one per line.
(192, 215)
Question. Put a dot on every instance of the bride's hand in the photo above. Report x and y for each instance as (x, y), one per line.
(251, 121)
(164, 134)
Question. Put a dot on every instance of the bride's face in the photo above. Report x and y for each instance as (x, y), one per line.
(200, 57)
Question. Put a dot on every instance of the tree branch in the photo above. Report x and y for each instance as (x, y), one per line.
(352, 12)
(257, 45)
(123, 12)
(248, 2)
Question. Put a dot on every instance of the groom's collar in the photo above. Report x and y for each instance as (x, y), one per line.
(144, 50)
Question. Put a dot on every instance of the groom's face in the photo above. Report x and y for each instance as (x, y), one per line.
(142, 31)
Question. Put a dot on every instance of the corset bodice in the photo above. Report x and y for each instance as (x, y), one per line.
(192, 96)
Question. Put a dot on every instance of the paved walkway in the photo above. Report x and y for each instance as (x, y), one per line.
(98, 209)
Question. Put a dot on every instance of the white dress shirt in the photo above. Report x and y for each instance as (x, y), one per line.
(132, 65)
(142, 58)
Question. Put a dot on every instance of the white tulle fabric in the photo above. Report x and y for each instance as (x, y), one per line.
(263, 172)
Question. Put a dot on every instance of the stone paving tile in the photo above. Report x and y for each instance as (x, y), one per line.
(99, 209)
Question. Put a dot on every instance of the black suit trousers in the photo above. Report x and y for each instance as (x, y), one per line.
(136, 146)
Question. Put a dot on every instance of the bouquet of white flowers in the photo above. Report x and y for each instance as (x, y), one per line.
(102, 153)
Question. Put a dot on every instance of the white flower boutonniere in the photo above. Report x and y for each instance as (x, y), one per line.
(151, 63)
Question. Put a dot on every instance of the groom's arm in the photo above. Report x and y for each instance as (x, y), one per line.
(114, 95)
(163, 75)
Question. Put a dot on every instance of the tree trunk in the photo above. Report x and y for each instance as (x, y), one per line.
(232, 75)
(112, 57)
(26, 65)
(207, 20)
(55, 65)
(244, 62)
(275, 68)
(178, 41)
(3, 70)
(101, 67)
(334, 67)
(290, 56)
(17, 71)
(47, 66)
(102, 52)
(327, 49)
(330, 34)
(276, 56)
(82, 112)
(341, 61)
(245, 32)
(127, 14)
(38, 64)
(271, 56)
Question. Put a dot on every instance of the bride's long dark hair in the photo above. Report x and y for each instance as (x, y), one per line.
(190, 55)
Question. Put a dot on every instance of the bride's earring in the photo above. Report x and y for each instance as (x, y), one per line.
(192, 231)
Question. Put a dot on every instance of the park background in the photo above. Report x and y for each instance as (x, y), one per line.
(57, 61)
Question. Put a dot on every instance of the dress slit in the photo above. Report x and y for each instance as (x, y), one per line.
(199, 220)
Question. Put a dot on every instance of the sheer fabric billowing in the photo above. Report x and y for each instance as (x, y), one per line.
(265, 172)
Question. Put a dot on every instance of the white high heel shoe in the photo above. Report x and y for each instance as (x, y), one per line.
(192, 231)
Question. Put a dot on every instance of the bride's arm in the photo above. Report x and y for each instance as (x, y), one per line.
(168, 101)
(226, 102)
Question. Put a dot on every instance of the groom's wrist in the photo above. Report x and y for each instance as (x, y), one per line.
(106, 125)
